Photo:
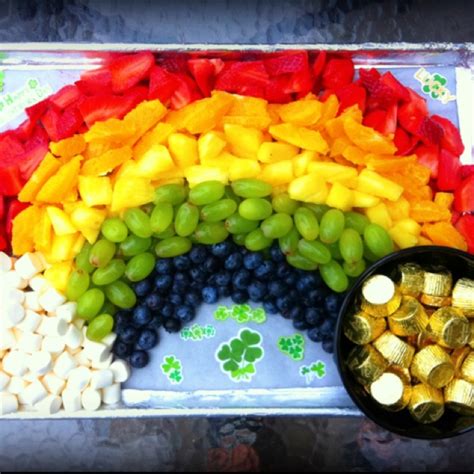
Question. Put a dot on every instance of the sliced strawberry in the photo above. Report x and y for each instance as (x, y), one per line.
(451, 139)
(3, 241)
(375, 119)
(449, 171)
(10, 180)
(185, 92)
(275, 90)
(289, 62)
(2, 208)
(467, 170)
(35, 150)
(50, 120)
(128, 70)
(399, 90)
(36, 111)
(14, 208)
(25, 129)
(464, 195)
(65, 96)
(369, 78)
(96, 81)
(338, 73)
(402, 141)
(162, 84)
(204, 72)
(429, 157)
(300, 83)
(349, 95)
(412, 113)
(382, 94)
(240, 74)
(319, 63)
(465, 225)
(70, 122)
(430, 132)
(455, 216)
(174, 63)
(10, 147)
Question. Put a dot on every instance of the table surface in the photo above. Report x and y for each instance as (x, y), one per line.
(230, 444)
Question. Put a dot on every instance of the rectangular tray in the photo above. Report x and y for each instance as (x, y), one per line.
(33, 71)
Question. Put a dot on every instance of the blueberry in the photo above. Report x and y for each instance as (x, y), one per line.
(139, 359)
(313, 316)
(223, 278)
(295, 313)
(241, 279)
(222, 249)
(257, 290)
(276, 288)
(315, 297)
(122, 318)
(283, 303)
(211, 264)
(210, 294)
(182, 262)
(233, 261)
(154, 301)
(291, 279)
(175, 298)
(293, 294)
(224, 291)
(193, 298)
(239, 297)
(155, 323)
(331, 303)
(163, 282)
(141, 316)
(128, 335)
(212, 280)
(167, 310)
(197, 274)
(283, 270)
(328, 346)
(181, 278)
(315, 335)
(122, 350)
(276, 254)
(185, 313)
(285, 312)
(172, 325)
(265, 271)
(305, 283)
(147, 340)
(164, 266)
(300, 324)
(198, 254)
(142, 288)
(270, 307)
(197, 285)
(253, 260)
(179, 287)
(327, 327)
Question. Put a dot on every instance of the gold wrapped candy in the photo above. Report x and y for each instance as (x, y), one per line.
(394, 349)
(435, 301)
(467, 368)
(361, 328)
(449, 327)
(426, 404)
(463, 296)
(380, 297)
(471, 335)
(433, 366)
(411, 279)
(409, 319)
(438, 282)
(459, 396)
(366, 364)
(458, 357)
(390, 391)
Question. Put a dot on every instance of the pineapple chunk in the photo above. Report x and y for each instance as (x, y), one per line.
(371, 182)
(334, 172)
(409, 225)
(60, 221)
(210, 145)
(301, 112)
(243, 168)
(95, 191)
(224, 161)
(157, 136)
(402, 238)
(399, 209)
(269, 152)
(379, 215)
(62, 247)
(183, 149)
(424, 241)
(302, 161)
(309, 185)
(84, 217)
(254, 121)
(365, 200)
(277, 173)
(248, 106)
(299, 136)
(340, 197)
(444, 199)
(200, 173)
(58, 274)
(78, 244)
(131, 192)
(244, 141)
(152, 163)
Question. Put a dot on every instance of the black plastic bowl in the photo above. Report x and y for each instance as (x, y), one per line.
(461, 264)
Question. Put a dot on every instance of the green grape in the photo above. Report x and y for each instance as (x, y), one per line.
(172, 247)
(210, 233)
(331, 226)
(251, 188)
(174, 194)
(77, 284)
(219, 210)
(283, 203)
(354, 269)
(108, 308)
(167, 233)
(161, 217)
(256, 240)
(133, 245)
(102, 252)
(277, 225)
(369, 255)
(318, 209)
(138, 222)
(356, 221)
(239, 239)
(334, 277)
(207, 192)
(82, 259)
(314, 251)
(236, 224)
(90, 303)
(229, 194)
(298, 261)
(351, 246)
(140, 266)
(114, 229)
(148, 208)
(255, 209)
(186, 220)
(378, 240)
(307, 223)
(289, 242)
(100, 327)
(110, 273)
(121, 295)
(335, 251)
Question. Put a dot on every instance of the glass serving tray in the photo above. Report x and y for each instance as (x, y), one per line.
(185, 376)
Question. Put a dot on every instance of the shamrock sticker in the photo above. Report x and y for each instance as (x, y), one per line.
(172, 369)
(434, 85)
(292, 346)
(222, 313)
(258, 315)
(315, 370)
(237, 357)
(197, 333)
(241, 313)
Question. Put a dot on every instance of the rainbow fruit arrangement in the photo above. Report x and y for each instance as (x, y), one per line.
(184, 180)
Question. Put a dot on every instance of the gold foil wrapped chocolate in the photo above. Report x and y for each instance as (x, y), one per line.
(426, 404)
(458, 356)
(409, 319)
(449, 327)
(411, 279)
(463, 296)
(380, 297)
(433, 366)
(394, 349)
(366, 364)
(425, 339)
(390, 391)
(436, 301)
(467, 368)
(361, 328)
(471, 334)
(402, 372)
(438, 282)
(459, 396)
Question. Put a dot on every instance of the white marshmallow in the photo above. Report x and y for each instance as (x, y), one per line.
(32, 301)
(121, 371)
(112, 394)
(50, 300)
(16, 363)
(101, 379)
(103, 365)
(30, 322)
(53, 384)
(91, 399)
(40, 363)
(29, 342)
(109, 339)
(67, 311)
(34, 393)
(5, 263)
(47, 326)
(64, 364)
(4, 380)
(12, 279)
(29, 265)
(13, 314)
(79, 378)
(73, 337)
(96, 351)
(50, 405)
(71, 400)
(30, 377)
(12, 295)
(16, 385)
(7, 339)
(79, 323)
(8, 403)
(53, 344)
(39, 283)
(82, 359)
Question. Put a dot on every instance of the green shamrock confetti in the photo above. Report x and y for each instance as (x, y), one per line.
(240, 313)
(258, 316)
(292, 346)
(238, 356)
(315, 370)
(197, 333)
(222, 313)
(172, 369)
